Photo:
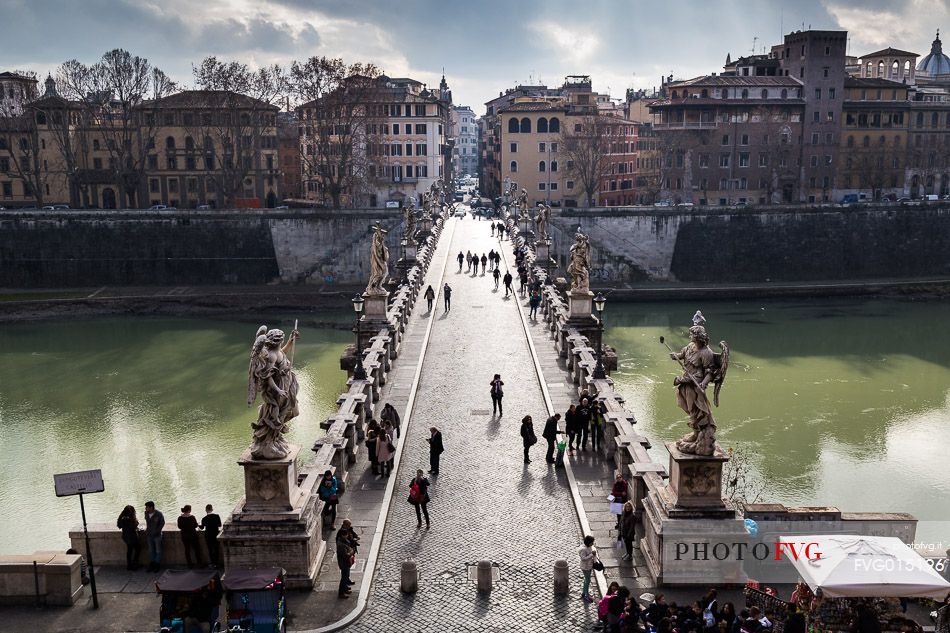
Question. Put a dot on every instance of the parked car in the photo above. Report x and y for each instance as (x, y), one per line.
(459, 213)
(282, 206)
(157, 207)
(203, 207)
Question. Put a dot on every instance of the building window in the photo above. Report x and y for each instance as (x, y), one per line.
(703, 161)
(830, 116)
(512, 125)
(171, 163)
(814, 138)
(553, 165)
(724, 160)
(541, 186)
(420, 128)
(525, 127)
(818, 94)
(553, 185)
(153, 185)
(541, 166)
(831, 93)
(513, 148)
(829, 139)
(743, 159)
(814, 162)
(570, 184)
(744, 139)
(866, 142)
(542, 147)
(827, 162)
(422, 149)
(542, 124)
(554, 125)
(725, 139)
(763, 160)
(816, 116)
(513, 166)
(173, 185)
(765, 93)
(554, 145)
(420, 111)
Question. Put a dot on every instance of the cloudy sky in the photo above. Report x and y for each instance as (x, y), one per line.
(483, 45)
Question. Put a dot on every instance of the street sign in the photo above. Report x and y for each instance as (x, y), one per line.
(79, 483)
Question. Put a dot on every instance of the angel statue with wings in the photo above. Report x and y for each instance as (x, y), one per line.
(700, 367)
(272, 376)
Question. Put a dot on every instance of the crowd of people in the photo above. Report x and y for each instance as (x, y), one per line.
(620, 612)
(151, 528)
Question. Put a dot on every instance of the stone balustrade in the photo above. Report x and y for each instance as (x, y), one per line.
(621, 443)
(346, 428)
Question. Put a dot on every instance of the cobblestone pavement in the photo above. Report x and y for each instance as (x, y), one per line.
(486, 503)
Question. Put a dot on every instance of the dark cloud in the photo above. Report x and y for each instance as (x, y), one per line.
(484, 46)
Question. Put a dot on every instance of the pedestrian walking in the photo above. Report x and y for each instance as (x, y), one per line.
(493, 229)
(328, 492)
(497, 275)
(550, 434)
(468, 261)
(589, 561)
(484, 262)
(497, 393)
(345, 558)
(497, 259)
(508, 279)
(447, 295)
(583, 420)
(419, 497)
(430, 297)
(389, 414)
(211, 526)
(528, 438)
(461, 259)
(598, 420)
(384, 452)
(435, 449)
(628, 529)
(188, 529)
(523, 276)
(533, 303)
(129, 524)
(619, 495)
(491, 260)
(572, 424)
(372, 432)
(154, 523)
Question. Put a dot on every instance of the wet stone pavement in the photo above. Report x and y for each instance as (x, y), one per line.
(486, 502)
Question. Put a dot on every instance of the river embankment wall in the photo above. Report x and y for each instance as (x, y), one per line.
(782, 244)
(72, 248)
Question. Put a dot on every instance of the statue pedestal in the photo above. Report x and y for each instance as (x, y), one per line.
(276, 523)
(374, 316)
(687, 518)
(542, 253)
(580, 304)
(409, 251)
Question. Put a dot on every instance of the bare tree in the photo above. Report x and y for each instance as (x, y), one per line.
(586, 143)
(20, 155)
(231, 118)
(740, 486)
(339, 103)
(111, 92)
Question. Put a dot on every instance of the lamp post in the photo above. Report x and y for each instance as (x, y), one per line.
(599, 302)
(359, 373)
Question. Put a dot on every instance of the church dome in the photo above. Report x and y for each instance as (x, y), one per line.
(936, 63)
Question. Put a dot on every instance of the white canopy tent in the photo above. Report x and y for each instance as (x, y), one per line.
(851, 566)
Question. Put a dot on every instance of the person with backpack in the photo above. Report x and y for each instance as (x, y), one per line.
(534, 302)
(497, 393)
(528, 438)
(419, 496)
(430, 297)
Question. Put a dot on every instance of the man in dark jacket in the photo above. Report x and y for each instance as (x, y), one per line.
(507, 280)
(583, 421)
(550, 434)
(154, 522)
(435, 450)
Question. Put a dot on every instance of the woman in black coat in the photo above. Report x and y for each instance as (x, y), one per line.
(572, 424)
(528, 438)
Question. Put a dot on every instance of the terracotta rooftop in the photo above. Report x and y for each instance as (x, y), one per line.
(208, 99)
(719, 80)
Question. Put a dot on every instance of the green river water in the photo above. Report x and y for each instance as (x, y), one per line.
(835, 402)
(158, 404)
